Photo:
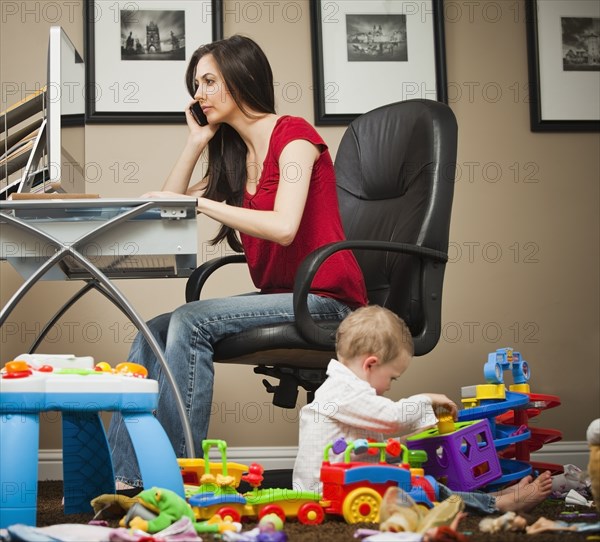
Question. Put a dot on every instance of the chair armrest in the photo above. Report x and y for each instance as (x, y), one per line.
(200, 275)
(307, 327)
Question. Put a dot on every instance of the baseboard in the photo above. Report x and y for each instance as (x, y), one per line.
(564, 453)
(50, 465)
(283, 457)
(270, 457)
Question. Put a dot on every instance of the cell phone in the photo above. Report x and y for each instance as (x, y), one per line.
(198, 114)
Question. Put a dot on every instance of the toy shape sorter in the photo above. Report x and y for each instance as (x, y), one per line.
(460, 455)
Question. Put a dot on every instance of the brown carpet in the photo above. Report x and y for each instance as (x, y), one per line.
(334, 529)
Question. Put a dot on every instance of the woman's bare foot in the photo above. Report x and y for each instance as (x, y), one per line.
(525, 495)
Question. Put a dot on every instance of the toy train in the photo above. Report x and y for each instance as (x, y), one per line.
(352, 489)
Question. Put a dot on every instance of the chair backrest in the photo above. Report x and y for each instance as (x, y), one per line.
(395, 170)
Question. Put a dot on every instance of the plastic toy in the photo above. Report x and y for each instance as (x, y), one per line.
(127, 368)
(512, 522)
(462, 456)
(217, 494)
(28, 387)
(56, 361)
(508, 413)
(521, 450)
(166, 507)
(400, 513)
(192, 470)
(351, 489)
(270, 529)
(593, 440)
(355, 489)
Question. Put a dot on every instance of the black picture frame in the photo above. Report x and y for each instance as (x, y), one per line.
(540, 120)
(432, 20)
(211, 20)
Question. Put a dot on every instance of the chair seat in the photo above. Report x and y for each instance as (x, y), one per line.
(275, 346)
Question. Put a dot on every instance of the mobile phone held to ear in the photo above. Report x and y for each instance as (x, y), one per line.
(198, 114)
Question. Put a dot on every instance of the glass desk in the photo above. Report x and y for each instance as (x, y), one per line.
(96, 240)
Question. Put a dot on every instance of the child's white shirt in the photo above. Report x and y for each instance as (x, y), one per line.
(347, 406)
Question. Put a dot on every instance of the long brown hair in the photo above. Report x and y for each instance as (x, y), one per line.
(249, 80)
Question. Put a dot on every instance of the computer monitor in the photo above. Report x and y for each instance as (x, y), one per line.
(65, 114)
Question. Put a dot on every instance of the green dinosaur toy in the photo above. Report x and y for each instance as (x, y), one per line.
(170, 507)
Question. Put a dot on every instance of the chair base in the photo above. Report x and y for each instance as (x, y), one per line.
(285, 394)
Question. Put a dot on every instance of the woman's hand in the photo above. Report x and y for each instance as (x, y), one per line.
(201, 134)
(178, 181)
(165, 194)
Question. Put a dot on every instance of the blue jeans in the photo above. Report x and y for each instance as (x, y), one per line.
(475, 501)
(187, 336)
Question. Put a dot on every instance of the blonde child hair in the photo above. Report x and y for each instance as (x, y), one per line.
(373, 330)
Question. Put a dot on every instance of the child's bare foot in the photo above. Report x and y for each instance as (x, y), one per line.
(525, 495)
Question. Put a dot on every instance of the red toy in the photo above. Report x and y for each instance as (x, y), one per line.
(354, 489)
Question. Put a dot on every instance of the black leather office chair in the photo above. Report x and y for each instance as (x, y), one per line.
(395, 170)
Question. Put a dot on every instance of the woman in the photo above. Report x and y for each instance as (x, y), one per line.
(271, 179)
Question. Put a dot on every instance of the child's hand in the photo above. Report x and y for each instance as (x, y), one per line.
(442, 404)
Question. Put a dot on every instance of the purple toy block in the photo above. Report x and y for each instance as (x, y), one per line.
(464, 460)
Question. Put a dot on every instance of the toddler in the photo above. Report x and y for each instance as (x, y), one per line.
(374, 347)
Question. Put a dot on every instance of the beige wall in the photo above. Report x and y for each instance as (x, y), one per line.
(524, 268)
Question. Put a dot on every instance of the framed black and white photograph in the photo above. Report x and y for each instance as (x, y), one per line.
(137, 54)
(368, 53)
(563, 47)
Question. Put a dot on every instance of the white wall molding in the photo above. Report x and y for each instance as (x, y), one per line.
(283, 457)
(270, 457)
(564, 453)
(50, 465)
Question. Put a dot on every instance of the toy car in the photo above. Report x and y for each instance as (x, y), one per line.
(355, 489)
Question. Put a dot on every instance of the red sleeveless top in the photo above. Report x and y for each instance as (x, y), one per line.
(272, 266)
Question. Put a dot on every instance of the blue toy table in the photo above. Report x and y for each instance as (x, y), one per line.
(87, 463)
